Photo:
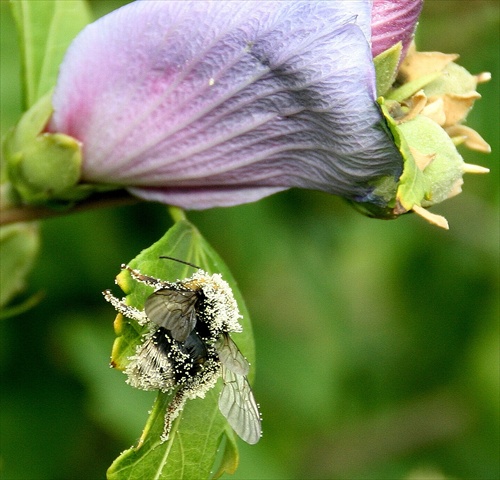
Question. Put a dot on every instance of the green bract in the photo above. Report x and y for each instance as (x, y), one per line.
(438, 161)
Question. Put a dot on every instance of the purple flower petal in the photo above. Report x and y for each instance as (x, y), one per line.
(394, 21)
(203, 104)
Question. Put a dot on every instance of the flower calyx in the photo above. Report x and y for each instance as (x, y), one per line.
(425, 110)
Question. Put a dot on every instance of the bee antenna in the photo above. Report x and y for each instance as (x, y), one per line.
(180, 261)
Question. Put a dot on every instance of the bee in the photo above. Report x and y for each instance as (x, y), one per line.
(187, 347)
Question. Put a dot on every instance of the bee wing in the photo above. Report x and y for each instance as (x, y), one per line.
(174, 310)
(150, 368)
(230, 355)
(237, 404)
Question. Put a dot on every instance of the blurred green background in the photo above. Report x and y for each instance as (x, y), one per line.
(377, 341)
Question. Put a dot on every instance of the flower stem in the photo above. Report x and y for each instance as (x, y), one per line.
(176, 213)
(28, 213)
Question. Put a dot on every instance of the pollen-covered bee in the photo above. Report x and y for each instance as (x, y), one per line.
(187, 347)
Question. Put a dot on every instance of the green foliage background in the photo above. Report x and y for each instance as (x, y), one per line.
(377, 341)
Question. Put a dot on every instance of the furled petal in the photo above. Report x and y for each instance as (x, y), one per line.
(203, 104)
(394, 21)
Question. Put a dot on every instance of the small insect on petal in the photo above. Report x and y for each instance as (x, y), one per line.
(188, 347)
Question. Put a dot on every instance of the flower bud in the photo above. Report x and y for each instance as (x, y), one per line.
(394, 21)
(202, 104)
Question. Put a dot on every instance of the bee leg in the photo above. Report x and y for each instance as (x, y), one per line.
(174, 409)
(150, 281)
(126, 310)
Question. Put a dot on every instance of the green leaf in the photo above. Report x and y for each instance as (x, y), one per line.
(196, 434)
(19, 245)
(230, 458)
(190, 451)
(22, 307)
(46, 28)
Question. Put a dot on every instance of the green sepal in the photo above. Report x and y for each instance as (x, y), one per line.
(196, 434)
(386, 67)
